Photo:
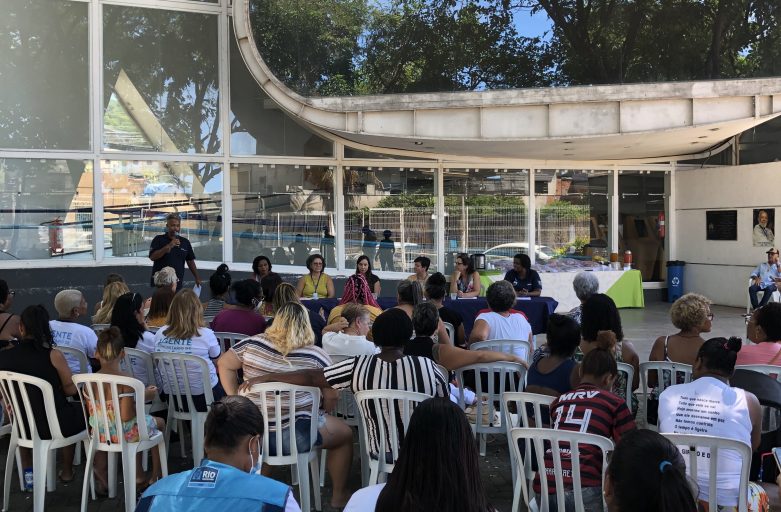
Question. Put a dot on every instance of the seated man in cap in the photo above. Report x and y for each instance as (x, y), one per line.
(764, 279)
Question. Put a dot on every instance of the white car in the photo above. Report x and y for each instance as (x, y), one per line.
(501, 256)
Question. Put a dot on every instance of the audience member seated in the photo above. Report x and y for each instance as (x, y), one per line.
(438, 467)
(556, 371)
(732, 414)
(110, 294)
(356, 291)
(764, 329)
(268, 285)
(129, 319)
(34, 356)
(166, 277)
(436, 289)
(351, 341)
(601, 314)
(110, 353)
(585, 285)
(285, 294)
(526, 282)
(465, 281)
(70, 305)
(408, 295)
(763, 279)
(501, 323)
(261, 268)
(111, 278)
(219, 284)
(316, 284)
(287, 346)
(9, 323)
(184, 334)
(242, 317)
(589, 408)
(232, 435)
(648, 474)
(161, 302)
(422, 265)
(390, 369)
(364, 267)
(692, 315)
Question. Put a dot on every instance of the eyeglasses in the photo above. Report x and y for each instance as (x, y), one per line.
(11, 292)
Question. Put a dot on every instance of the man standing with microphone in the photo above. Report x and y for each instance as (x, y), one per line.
(172, 250)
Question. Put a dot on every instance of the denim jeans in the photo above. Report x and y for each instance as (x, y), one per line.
(767, 293)
(304, 442)
(592, 500)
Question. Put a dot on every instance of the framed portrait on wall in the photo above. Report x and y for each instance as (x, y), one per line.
(763, 221)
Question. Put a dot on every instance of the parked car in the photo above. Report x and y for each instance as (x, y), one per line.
(501, 256)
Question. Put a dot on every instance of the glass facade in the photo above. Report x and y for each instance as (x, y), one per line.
(641, 212)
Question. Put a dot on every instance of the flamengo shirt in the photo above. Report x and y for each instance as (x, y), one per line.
(589, 410)
(73, 335)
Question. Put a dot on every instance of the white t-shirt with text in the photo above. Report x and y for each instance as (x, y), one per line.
(73, 335)
(203, 345)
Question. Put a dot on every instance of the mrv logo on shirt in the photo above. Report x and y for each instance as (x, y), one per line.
(205, 477)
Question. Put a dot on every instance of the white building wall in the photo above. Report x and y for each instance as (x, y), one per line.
(720, 269)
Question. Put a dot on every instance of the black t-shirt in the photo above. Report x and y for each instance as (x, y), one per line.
(421, 346)
(530, 283)
(175, 259)
(450, 316)
(371, 280)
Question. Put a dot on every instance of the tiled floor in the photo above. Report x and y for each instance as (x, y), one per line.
(641, 326)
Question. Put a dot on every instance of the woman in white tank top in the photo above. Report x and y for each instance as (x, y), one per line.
(709, 406)
(501, 323)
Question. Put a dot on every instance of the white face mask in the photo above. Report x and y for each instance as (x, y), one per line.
(255, 466)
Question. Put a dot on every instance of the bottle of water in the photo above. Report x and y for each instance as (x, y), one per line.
(28, 479)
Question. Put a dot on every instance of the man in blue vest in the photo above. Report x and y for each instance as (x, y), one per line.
(228, 479)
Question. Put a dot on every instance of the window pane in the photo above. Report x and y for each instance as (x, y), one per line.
(486, 212)
(572, 218)
(44, 96)
(641, 207)
(138, 195)
(281, 211)
(160, 81)
(259, 126)
(400, 200)
(45, 209)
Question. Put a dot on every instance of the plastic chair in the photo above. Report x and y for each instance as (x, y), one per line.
(393, 407)
(695, 443)
(451, 332)
(228, 339)
(99, 327)
(172, 369)
(5, 430)
(520, 348)
(543, 438)
(768, 369)
(92, 391)
(74, 354)
(509, 376)
(24, 434)
(277, 402)
(662, 368)
(628, 370)
(776, 297)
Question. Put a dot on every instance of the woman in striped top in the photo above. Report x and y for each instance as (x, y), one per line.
(285, 346)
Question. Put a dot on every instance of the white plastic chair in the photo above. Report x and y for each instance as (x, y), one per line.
(694, 444)
(776, 297)
(24, 434)
(99, 327)
(768, 369)
(509, 376)
(5, 430)
(629, 371)
(277, 401)
(228, 339)
(394, 407)
(520, 348)
(172, 369)
(92, 391)
(451, 332)
(74, 354)
(544, 438)
(662, 368)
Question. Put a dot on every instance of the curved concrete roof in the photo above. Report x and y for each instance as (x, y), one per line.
(661, 121)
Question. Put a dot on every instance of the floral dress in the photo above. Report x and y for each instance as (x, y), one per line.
(129, 427)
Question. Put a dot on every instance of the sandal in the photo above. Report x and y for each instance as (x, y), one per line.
(64, 480)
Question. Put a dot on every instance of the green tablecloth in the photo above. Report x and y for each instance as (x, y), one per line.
(627, 292)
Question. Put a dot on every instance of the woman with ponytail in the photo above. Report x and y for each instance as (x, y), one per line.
(648, 474)
(589, 408)
(709, 406)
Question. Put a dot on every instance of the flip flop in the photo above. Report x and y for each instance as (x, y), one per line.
(63, 480)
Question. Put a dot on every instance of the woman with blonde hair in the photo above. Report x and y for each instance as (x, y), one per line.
(288, 345)
(184, 333)
(111, 293)
(285, 294)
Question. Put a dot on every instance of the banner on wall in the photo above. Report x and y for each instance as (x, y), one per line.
(764, 227)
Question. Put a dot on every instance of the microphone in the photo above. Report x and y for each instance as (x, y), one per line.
(11, 255)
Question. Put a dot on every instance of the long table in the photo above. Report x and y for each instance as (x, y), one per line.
(536, 309)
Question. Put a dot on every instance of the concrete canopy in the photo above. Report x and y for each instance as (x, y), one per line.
(638, 122)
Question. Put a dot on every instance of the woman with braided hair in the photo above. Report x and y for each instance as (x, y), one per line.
(356, 291)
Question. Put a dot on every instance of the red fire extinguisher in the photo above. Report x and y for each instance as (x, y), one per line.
(660, 221)
(55, 237)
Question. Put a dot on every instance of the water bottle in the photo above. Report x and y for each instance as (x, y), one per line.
(28, 479)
